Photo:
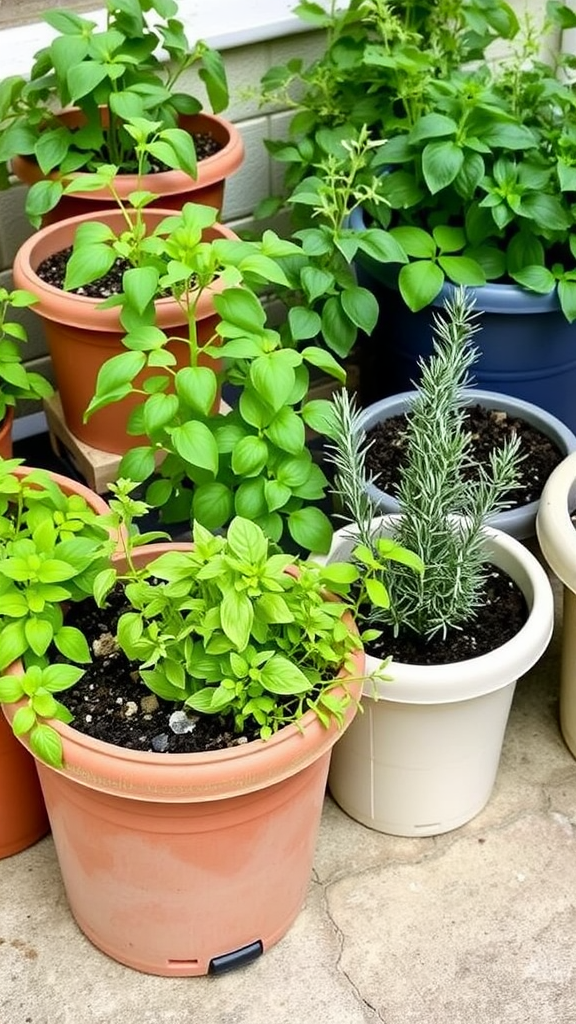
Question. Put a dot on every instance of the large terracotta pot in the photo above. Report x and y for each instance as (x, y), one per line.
(173, 188)
(6, 434)
(423, 757)
(557, 537)
(187, 864)
(23, 818)
(81, 336)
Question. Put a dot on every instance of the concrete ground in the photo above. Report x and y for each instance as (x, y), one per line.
(474, 927)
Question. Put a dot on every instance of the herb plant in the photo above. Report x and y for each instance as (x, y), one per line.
(111, 76)
(378, 59)
(251, 460)
(227, 627)
(479, 177)
(16, 382)
(442, 511)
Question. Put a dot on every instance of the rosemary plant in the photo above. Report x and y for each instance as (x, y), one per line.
(442, 510)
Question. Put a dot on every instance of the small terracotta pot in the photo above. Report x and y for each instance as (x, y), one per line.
(187, 864)
(23, 818)
(6, 434)
(82, 337)
(173, 188)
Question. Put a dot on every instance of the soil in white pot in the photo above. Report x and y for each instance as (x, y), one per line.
(500, 615)
(489, 429)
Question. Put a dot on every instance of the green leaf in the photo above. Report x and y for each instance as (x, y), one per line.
(377, 593)
(159, 411)
(195, 443)
(319, 416)
(286, 431)
(236, 616)
(382, 246)
(338, 330)
(304, 323)
(13, 643)
(325, 361)
(536, 279)
(119, 371)
(46, 745)
(240, 307)
(249, 500)
(250, 456)
(84, 77)
(24, 720)
(420, 283)
(182, 145)
(277, 494)
(415, 241)
(212, 505)
(11, 689)
(567, 297)
(281, 676)
(198, 387)
(38, 634)
(311, 529)
(432, 126)
(246, 540)
(361, 307)
(72, 644)
(88, 264)
(138, 463)
(140, 285)
(273, 378)
(462, 270)
(441, 163)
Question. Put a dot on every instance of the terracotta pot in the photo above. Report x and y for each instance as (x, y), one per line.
(23, 818)
(187, 864)
(6, 434)
(173, 188)
(423, 757)
(81, 336)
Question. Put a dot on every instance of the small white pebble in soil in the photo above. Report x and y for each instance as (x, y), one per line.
(130, 709)
(241, 739)
(180, 723)
(105, 645)
(119, 700)
(149, 703)
(160, 743)
(88, 718)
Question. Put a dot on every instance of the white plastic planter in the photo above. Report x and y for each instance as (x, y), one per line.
(519, 521)
(423, 757)
(557, 537)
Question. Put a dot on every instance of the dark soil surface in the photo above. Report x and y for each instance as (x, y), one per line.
(489, 429)
(52, 271)
(501, 615)
(110, 703)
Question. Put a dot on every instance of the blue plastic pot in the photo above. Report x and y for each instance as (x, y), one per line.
(527, 347)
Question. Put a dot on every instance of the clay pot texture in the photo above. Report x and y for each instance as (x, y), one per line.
(185, 864)
(173, 188)
(81, 337)
(6, 434)
(23, 818)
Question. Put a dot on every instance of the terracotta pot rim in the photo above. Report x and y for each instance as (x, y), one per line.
(213, 774)
(211, 169)
(78, 310)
